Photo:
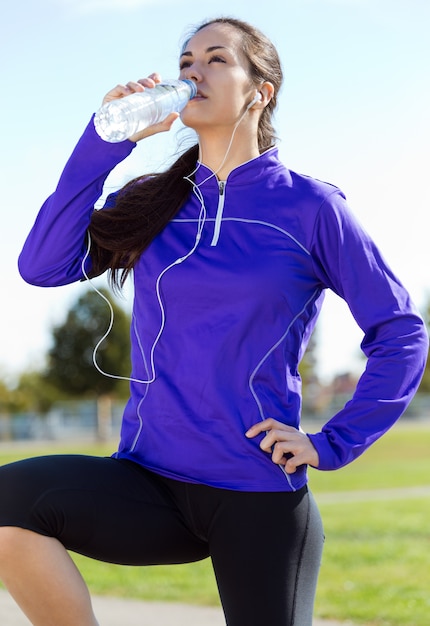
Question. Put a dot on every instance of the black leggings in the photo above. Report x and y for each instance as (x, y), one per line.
(265, 547)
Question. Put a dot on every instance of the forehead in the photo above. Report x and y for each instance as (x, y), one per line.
(214, 35)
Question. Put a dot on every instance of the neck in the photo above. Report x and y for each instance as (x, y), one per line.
(222, 154)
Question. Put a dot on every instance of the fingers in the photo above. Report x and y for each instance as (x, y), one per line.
(121, 91)
(161, 127)
(306, 457)
(287, 446)
(151, 80)
(267, 425)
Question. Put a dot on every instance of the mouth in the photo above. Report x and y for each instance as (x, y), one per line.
(200, 95)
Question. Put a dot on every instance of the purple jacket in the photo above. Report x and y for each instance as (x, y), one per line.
(226, 298)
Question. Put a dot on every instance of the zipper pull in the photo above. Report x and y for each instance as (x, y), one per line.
(219, 213)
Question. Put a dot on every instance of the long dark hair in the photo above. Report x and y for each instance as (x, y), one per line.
(145, 205)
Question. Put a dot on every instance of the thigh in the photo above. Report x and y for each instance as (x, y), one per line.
(109, 509)
(266, 551)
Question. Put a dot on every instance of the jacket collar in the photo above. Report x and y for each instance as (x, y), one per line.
(244, 174)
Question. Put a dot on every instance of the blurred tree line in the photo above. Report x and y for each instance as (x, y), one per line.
(69, 372)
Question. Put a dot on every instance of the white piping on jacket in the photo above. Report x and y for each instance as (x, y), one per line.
(260, 364)
(244, 220)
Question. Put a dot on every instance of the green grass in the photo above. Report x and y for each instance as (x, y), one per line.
(400, 459)
(376, 562)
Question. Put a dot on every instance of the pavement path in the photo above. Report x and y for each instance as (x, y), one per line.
(122, 612)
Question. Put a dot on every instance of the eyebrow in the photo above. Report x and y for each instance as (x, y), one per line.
(188, 53)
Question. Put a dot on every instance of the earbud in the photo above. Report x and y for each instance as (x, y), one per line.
(257, 98)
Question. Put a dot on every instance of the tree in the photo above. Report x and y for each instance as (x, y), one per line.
(308, 364)
(70, 365)
(5, 398)
(308, 372)
(34, 393)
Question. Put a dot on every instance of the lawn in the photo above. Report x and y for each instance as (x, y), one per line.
(376, 562)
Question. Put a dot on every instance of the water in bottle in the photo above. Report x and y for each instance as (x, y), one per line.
(120, 119)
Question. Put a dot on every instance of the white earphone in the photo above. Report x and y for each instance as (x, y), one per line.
(256, 98)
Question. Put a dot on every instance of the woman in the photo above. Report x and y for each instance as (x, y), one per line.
(231, 254)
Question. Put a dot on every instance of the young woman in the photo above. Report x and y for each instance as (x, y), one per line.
(230, 253)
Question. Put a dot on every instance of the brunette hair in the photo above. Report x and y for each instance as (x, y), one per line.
(146, 204)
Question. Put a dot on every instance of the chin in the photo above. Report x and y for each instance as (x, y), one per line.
(195, 122)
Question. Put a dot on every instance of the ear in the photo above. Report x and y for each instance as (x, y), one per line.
(266, 91)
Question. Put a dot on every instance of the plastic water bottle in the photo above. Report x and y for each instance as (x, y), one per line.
(120, 119)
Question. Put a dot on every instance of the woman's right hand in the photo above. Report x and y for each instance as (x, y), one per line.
(120, 91)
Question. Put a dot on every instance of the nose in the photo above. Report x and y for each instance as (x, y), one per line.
(192, 72)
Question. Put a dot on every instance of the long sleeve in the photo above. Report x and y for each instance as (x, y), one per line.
(55, 247)
(395, 339)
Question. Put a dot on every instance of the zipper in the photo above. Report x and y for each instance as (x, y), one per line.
(219, 213)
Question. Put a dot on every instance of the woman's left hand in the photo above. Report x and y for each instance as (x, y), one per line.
(287, 445)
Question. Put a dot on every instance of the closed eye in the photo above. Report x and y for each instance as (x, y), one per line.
(213, 59)
(217, 59)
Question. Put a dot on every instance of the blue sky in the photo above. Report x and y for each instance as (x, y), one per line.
(353, 111)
